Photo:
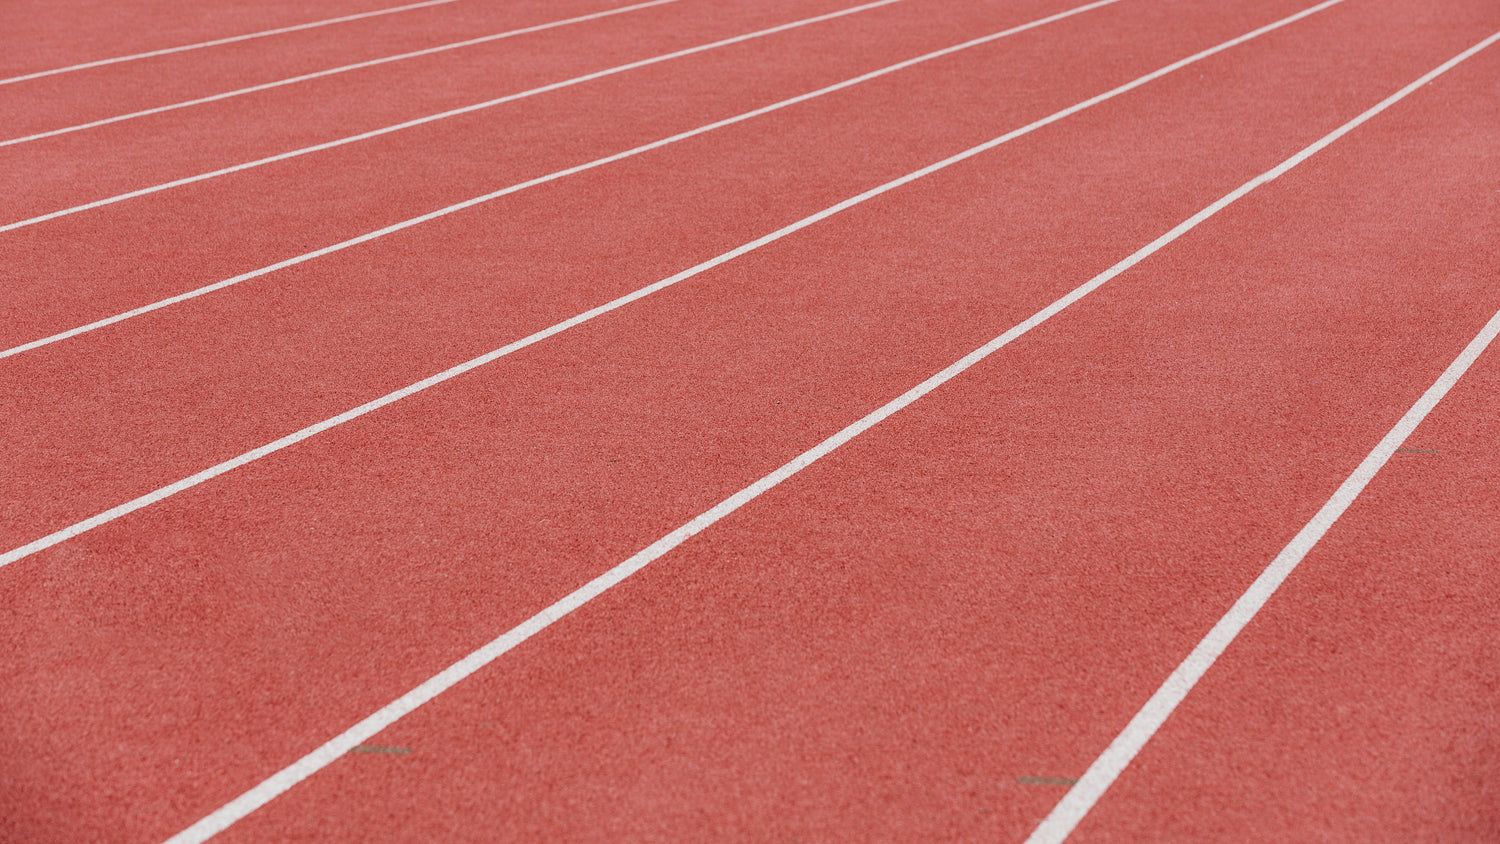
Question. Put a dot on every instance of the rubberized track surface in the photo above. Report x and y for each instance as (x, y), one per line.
(930, 626)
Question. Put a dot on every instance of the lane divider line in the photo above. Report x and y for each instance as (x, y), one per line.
(1069, 811)
(218, 41)
(212, 472)
(266, 86)
(443, 115)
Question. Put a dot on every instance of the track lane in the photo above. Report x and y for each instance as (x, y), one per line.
(108, 117)
(47, 36)
(356, 324)
(326, 197)
(249, 578)
(68, 170)
(55, 102)
(514, 96)
(1358, 704)
(863, 652)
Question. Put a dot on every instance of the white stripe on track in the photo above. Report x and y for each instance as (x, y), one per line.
(508, 98)
(218, 41)
(1069, 811)
(453, 372)
(324, 755)
(471, 42)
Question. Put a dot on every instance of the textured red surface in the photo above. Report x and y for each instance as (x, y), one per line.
(985, 589)
(45, 34)
(897, 642)
(377, 317)
(75, 97)
(1362, 704)
(149, 150)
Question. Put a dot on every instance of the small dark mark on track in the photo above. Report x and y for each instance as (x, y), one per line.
(1045, 781)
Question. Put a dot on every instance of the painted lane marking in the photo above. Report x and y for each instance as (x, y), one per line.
(540, 180)
(332, 71)
(218, 41)
(1066, 815)
(443, 115)
(329, 752)
(212, 472)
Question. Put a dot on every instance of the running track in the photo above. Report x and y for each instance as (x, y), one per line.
(967, 614)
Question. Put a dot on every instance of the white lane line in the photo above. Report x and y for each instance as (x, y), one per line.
(327, 753)
(453, 372)
(386, 130)
(1069, 811)
(1077, 803)
(218, 41)
(332, 71)
(598, 162)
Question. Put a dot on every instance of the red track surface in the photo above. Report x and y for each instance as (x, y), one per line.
(924, 635)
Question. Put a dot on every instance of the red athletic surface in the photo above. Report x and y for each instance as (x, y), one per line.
(979, 591)
(45, 34)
